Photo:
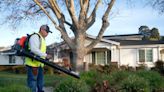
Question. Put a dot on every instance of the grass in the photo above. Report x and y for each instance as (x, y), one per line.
(11, 82)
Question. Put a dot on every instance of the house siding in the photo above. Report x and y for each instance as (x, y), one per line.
(114, 54)
(4, 60)
(128, 57)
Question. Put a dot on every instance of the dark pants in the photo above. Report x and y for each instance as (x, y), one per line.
(35, 78)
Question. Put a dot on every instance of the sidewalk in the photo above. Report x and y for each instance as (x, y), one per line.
(48, 89)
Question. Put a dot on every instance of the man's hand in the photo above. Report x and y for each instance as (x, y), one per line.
(49, 56)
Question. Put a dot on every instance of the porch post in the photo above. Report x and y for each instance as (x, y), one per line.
(159, 54)
(106, 58)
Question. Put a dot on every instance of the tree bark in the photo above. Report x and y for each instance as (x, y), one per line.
(79, 52)
(78, 62)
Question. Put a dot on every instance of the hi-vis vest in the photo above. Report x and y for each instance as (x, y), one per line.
(32, 62)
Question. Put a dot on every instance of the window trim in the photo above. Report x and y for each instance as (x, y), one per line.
(145, 54)
(105, 57)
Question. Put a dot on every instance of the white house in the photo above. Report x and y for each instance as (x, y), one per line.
(133, 51)
(128, 50)
(7, 57)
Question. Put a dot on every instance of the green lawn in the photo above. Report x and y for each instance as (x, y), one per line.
(11, 82)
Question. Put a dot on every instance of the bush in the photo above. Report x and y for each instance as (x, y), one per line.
(118, 76)
(134, 83)
(96, 81)
(154, 78)
(159, 66)
(115, 78)
(72, 85)
(107, 69)
(141, 67)
(91, 77)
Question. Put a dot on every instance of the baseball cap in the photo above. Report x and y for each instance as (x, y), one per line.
(46, 28)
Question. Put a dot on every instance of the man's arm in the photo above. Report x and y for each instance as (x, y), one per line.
(34, 43)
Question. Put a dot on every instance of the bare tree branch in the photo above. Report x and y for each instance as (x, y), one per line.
(61, 20)
(55, 8)
(105, 24)
(83, 12)
(92, 17)
(38, 3)
(81, 3)
(71, 10)
(88, 7)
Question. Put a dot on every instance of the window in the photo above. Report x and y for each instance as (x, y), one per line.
(145, 55)
(142, 55)
(93, 58)
(100, 57)
(11, 59)
(149, 56)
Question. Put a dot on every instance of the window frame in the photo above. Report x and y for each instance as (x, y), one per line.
(145, 55)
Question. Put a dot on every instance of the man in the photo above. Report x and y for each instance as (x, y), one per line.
(37, 45)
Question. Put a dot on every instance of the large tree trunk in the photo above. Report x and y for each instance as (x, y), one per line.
(78, 62)
(79, 53)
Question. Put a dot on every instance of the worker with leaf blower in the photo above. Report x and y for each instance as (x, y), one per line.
(33, 47)
(37, 45)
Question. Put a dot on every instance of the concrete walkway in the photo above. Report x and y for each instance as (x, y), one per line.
(48, 89)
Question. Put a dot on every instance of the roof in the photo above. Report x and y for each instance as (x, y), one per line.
(123, 35)
(138, 42)
(104, 40)
(5, 48)
(8, 52)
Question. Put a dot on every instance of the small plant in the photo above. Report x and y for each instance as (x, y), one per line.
(159, 66)
(118, 76)
(90, 77)
(141, 66)
(154, 79)
(134, 83)
(72, 85)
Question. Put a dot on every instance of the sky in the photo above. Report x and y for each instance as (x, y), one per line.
(123, 20)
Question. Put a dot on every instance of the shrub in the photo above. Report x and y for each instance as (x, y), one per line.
(91, 77)
(95, 80)
(141, 67)
(107, 69)
(156, 82)
(72, 85)
(115, 78)
(135, 83)
(118, 76)
(20, 69)
(159, 66)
